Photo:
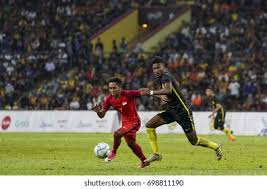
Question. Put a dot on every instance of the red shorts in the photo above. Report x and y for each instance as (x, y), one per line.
(129, 130)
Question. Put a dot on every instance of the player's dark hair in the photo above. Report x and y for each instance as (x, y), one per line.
(115, 80)
(158, 60)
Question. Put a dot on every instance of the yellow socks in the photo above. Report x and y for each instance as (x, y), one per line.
(206, 143)
(152, 136)
(227, 132)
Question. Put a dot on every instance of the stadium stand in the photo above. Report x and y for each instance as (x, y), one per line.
(224, 46)
(44, 38)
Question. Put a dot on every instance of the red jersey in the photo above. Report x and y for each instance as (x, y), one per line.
(125, 105)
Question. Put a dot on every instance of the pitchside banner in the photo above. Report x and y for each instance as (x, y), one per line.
(242, 123)
(57, 121)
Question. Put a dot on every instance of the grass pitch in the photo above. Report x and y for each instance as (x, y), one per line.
(72, 154)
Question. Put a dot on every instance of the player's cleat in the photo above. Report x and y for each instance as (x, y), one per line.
(143, 164)
(232, 138)
(110, 157)
(218, 152)
(153, 157)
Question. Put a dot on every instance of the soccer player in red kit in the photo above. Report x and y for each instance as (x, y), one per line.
(124, 102)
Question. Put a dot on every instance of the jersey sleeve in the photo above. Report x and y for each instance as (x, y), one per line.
(106, 104)
(215, 101)
(133, 93)
(166, 79)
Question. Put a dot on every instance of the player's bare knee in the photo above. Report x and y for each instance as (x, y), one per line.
(148, 125)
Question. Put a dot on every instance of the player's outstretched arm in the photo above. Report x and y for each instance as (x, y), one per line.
(166, 90)
(144, 91)
(100, 112)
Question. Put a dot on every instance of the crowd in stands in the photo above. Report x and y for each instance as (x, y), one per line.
(40, 39)
(223, 47)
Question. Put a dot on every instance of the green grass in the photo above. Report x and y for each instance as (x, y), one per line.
(72, 154)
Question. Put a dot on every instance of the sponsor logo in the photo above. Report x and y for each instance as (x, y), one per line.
(62, 123)
(211, 124)
(6, 122)
(45, 125)
(84, 125)
(227, 122)
(101, 123)
(22, 124)
(264, 130)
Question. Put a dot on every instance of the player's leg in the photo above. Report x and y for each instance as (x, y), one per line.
(187, 123)
(131, 142)
(129, 133)
(116, 143)
(116, 140)
(130, 139)
(151, 125)
(201, 141)
(219, 125)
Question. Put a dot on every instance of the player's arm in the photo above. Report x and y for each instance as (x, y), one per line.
(134, 93)
(218, 107)
(141, 92)
(166, 90)
(99, 110)
(146, 92)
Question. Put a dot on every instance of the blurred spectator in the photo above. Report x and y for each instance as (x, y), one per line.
(99, 47)
(234, 88)
(123, 45)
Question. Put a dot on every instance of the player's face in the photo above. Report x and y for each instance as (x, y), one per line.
(158, 69)
(114, 89)
(209, 92)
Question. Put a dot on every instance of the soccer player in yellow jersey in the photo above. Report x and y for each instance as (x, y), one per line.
(219, 112)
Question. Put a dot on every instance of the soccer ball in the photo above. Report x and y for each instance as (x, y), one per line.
(102, 150)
